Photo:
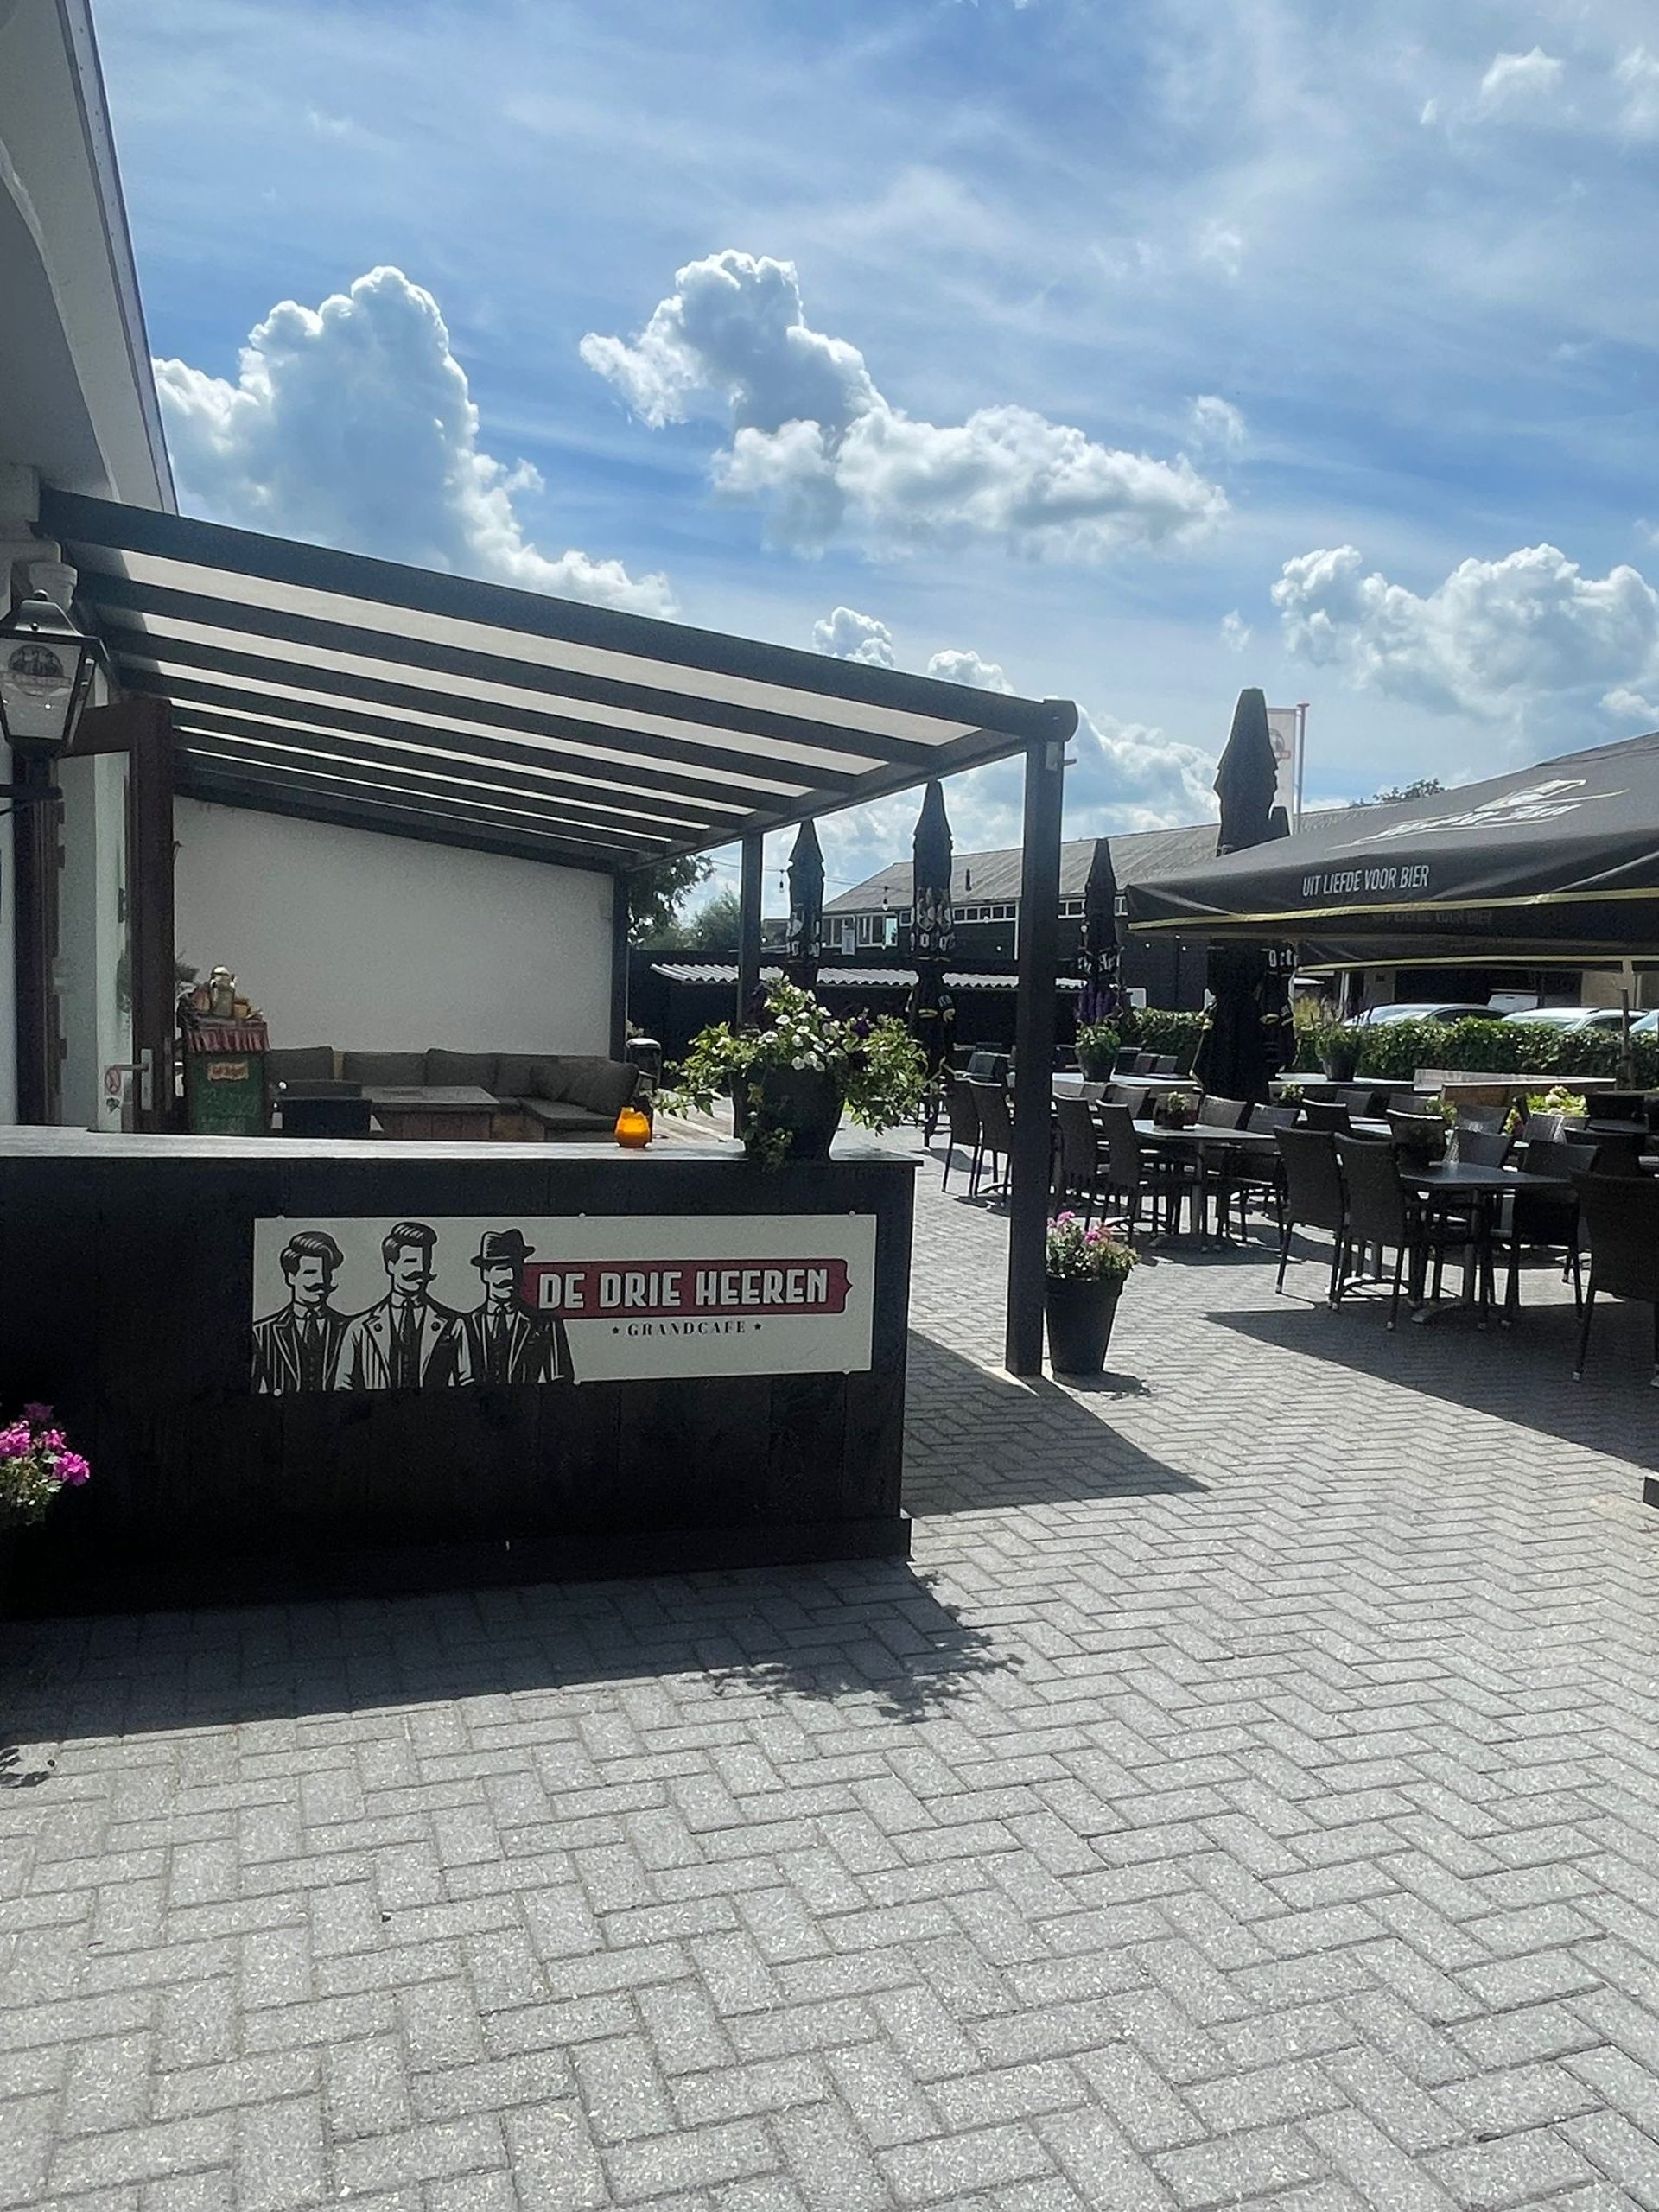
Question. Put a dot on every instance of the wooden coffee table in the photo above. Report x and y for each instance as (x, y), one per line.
(455, 1110)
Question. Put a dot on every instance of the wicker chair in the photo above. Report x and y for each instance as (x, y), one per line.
(1314, 1195)
(1079, 1167)
(1621, 1221)
(996, 1134)
(1326, 1114)
(1546, 1221)
(1136, 1172)
(1380, 1210)
(962, 1109)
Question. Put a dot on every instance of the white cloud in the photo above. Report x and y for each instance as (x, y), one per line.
(1217, 427)
(351, 425)
(848, 635)
(1519, 84)
(1638, 78)
(1236, 632)
(813, 440)
(1529, 640)
(1220, 242)
(955, 666)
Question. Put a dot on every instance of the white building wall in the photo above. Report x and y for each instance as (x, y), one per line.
(372, 942)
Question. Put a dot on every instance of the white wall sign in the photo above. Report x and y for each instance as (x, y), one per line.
(446, 1301)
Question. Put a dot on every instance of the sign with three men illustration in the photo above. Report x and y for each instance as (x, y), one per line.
(451, 1303)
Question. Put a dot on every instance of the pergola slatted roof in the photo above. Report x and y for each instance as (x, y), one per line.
(330, 685)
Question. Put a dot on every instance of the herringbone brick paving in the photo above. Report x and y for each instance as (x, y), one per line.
(1248, 1796)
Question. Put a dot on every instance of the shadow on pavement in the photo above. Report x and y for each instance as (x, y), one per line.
(862, 1630)
(1523, 1375)
(977, 1442)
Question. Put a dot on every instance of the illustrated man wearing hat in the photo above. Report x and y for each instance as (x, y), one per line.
(408, 1342)
(508, 1340)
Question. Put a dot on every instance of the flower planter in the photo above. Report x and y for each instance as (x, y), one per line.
(1341, 1062)
(1080, 1314)
(802, 1103)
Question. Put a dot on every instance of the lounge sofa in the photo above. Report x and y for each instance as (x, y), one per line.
(542, 1095)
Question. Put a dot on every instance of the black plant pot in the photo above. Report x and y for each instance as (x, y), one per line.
(801, 1101)
(1341, 1062)
(1080, 1315)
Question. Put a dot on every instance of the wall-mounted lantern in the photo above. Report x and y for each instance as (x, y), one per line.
(46, 677)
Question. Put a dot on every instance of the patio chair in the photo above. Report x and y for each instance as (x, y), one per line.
(1123, 1062)
(1165, 1064)
(1314, 1195)
(996, 1134)
(1079, 1166)
(1326, 1114)
(963, 1133)
(1619, 1152)
(1419, 1136)
(1621, 1223)
(1546, 1221)
(1480, 1147)
(1145, 1063)
(1136, 1173)
(1215, 1113)
(1481, 1117)
(1365, 1105)
(1382, 1212)
(986, 1065)
(1253, 1177)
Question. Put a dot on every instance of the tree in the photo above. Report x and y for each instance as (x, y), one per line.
(713, 928)
(1425, 787)
(656, 894)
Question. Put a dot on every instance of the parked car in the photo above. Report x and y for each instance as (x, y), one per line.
(1426, 1011)
(1568, 1017)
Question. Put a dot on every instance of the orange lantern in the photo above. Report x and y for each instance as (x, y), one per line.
(632, 1128)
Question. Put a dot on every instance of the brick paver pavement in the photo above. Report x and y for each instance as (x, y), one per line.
(1248, 1796)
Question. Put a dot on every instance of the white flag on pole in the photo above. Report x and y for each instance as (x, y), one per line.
(1287, 727)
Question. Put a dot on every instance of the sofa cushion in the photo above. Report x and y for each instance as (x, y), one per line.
(515, 1074)
(301, 1064)
(561, 1115)
(390, 1071)
(605, 1086)
(551, 1076)
(478, 1068)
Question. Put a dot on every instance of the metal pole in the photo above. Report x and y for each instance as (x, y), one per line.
(36, 856)
(149, 907)
(619, 966)
(748, 927)
(1030, 1166)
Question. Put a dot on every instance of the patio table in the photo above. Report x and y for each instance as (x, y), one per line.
(1483, 1187)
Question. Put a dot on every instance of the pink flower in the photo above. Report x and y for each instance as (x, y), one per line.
(71, 1469)
(14, 1440)
(38, 1414)
(53, 1438)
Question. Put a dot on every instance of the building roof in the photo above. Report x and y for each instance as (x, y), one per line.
(993, 879)
(306, 681)
(855, 979)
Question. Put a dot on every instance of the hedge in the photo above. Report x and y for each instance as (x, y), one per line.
(1396, 1049)
(1164, 1031)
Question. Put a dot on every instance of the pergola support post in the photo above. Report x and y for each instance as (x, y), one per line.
(619, 966)
(748, 925)
(36, 856)
(149, 907)
(1030, 1165)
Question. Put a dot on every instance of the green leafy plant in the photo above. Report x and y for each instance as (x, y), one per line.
(1162, 1030)
(874, 1062)
(1098, 1045)
(35, 1464)
(1096, 1252)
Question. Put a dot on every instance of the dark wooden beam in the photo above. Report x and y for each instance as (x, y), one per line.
(619, 966)
(37, 865)
(1029, 1167)
(151, 959)
(748, 924)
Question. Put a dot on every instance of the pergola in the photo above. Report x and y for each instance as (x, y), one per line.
(263, 673)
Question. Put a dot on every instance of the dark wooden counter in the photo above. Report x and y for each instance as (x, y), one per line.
(127, 1298)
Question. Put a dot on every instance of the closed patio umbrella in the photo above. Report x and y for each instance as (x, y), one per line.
(1237, 1055)
(1098, 951)
(804, 940)
(932, 940)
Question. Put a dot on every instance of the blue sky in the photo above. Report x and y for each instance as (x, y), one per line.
(1126, 354)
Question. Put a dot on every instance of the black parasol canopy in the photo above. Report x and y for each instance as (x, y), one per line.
(932, 929)
(1098, 949)
(804, 940)
(1558, 860)
(1237, 1052)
